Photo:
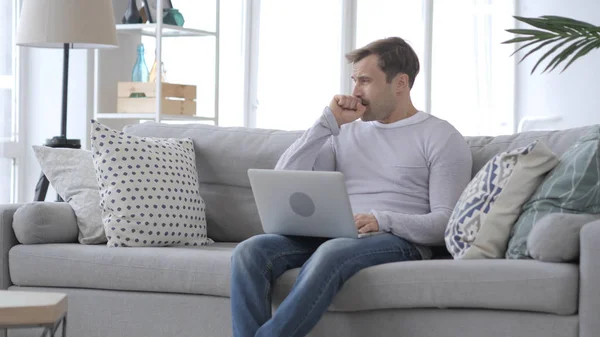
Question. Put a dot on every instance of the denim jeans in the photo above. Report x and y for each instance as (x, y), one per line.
(326, 265)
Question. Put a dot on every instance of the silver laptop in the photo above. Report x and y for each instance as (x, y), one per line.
(304, 203)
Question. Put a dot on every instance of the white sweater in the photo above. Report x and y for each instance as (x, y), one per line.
(408, 174)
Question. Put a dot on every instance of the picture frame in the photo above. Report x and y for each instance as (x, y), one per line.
(150, 8)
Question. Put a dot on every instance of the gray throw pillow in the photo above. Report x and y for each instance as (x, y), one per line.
(555, 237)
(71, 173)
(571, 187)
(45, 222)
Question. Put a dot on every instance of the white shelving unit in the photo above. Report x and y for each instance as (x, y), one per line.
(111, 66)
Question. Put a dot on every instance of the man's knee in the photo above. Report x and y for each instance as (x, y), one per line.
(252, 250)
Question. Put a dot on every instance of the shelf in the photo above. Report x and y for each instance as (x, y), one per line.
(149, 29)
(152, 116)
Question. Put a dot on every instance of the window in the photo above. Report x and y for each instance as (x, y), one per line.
(403, 18)
(466, 74)
(472, 72)
(8, 107)
(298, 61)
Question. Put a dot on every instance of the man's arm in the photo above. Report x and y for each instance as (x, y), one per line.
(450, 172)
(314, 150)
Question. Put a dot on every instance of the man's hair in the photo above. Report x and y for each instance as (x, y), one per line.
(395, 56)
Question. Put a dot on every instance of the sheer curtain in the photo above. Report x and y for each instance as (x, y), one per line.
(298, 61)
(377, 19)
(8, 118)
(472, 72)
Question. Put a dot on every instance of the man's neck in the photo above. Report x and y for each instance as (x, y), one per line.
(403, 111)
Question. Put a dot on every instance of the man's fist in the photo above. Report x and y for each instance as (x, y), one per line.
(346, 109)
(366, 223)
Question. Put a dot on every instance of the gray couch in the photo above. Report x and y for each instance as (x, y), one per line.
(185, 291)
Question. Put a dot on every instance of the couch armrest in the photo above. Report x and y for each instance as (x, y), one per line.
(589, 280)
(7, 241)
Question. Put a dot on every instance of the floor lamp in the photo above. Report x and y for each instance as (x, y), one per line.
(65, 24)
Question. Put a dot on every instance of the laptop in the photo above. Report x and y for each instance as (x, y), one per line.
(304, 203)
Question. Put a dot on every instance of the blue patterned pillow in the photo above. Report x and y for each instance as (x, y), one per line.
(572, 187)
(480, 224)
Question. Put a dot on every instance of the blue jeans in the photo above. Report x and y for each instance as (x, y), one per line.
(326, 265)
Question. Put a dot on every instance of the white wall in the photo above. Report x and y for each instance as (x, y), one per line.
(41, 93)
(572, 95)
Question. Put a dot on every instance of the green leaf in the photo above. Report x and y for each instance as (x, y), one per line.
(520, 39)
(539, 47)
(533, 32)
(567, 21)
(558, 59)
(551, 51)
(542, 24)
(560, 30)
(584, 50)
(528, 44)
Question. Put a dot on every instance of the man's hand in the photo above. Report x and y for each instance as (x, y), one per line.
(346, 109)
(366, 223)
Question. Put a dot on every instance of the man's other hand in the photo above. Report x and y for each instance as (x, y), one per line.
(366, 223)
(346, 109)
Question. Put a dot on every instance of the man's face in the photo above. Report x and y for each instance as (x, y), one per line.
(372, 88)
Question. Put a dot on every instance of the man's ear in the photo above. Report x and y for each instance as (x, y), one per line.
(401, 82)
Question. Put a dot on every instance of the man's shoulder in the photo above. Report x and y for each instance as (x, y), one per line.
(440, 127)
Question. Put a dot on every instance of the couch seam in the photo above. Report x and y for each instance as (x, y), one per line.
(109, 264)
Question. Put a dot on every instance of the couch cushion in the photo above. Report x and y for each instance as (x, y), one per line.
(45, 222)
(193, 270)
(223, 157)
(484, 148)
(492, 284)
(555, 237)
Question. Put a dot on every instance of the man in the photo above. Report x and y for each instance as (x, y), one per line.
(404, 171)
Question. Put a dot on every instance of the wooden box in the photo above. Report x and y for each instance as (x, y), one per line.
(177, 99)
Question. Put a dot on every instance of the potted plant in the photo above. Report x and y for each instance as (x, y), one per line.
(577, 37)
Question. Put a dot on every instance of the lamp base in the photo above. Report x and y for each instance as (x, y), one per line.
(56, 142)
(62, 142)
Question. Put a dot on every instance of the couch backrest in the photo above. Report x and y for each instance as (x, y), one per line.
(224, 155)
(484, 148)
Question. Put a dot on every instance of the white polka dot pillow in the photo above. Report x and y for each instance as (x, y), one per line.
(148, 190)
(480, 224)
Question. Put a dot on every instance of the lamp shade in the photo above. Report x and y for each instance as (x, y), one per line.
(81, 23)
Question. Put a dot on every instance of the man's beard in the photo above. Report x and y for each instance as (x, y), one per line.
(369, 115)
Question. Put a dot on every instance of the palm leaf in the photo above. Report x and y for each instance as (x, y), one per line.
(539, 23)
(552, 51)
(559, 30)
(583, 51)
(521, 39)
(567, 21)
(533, 32)
(538, 48)
(530, 44)
(558, 59)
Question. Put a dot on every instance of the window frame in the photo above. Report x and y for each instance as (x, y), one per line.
(13, 147)
(348, 43)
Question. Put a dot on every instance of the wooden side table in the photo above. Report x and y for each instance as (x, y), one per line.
(20, 309)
